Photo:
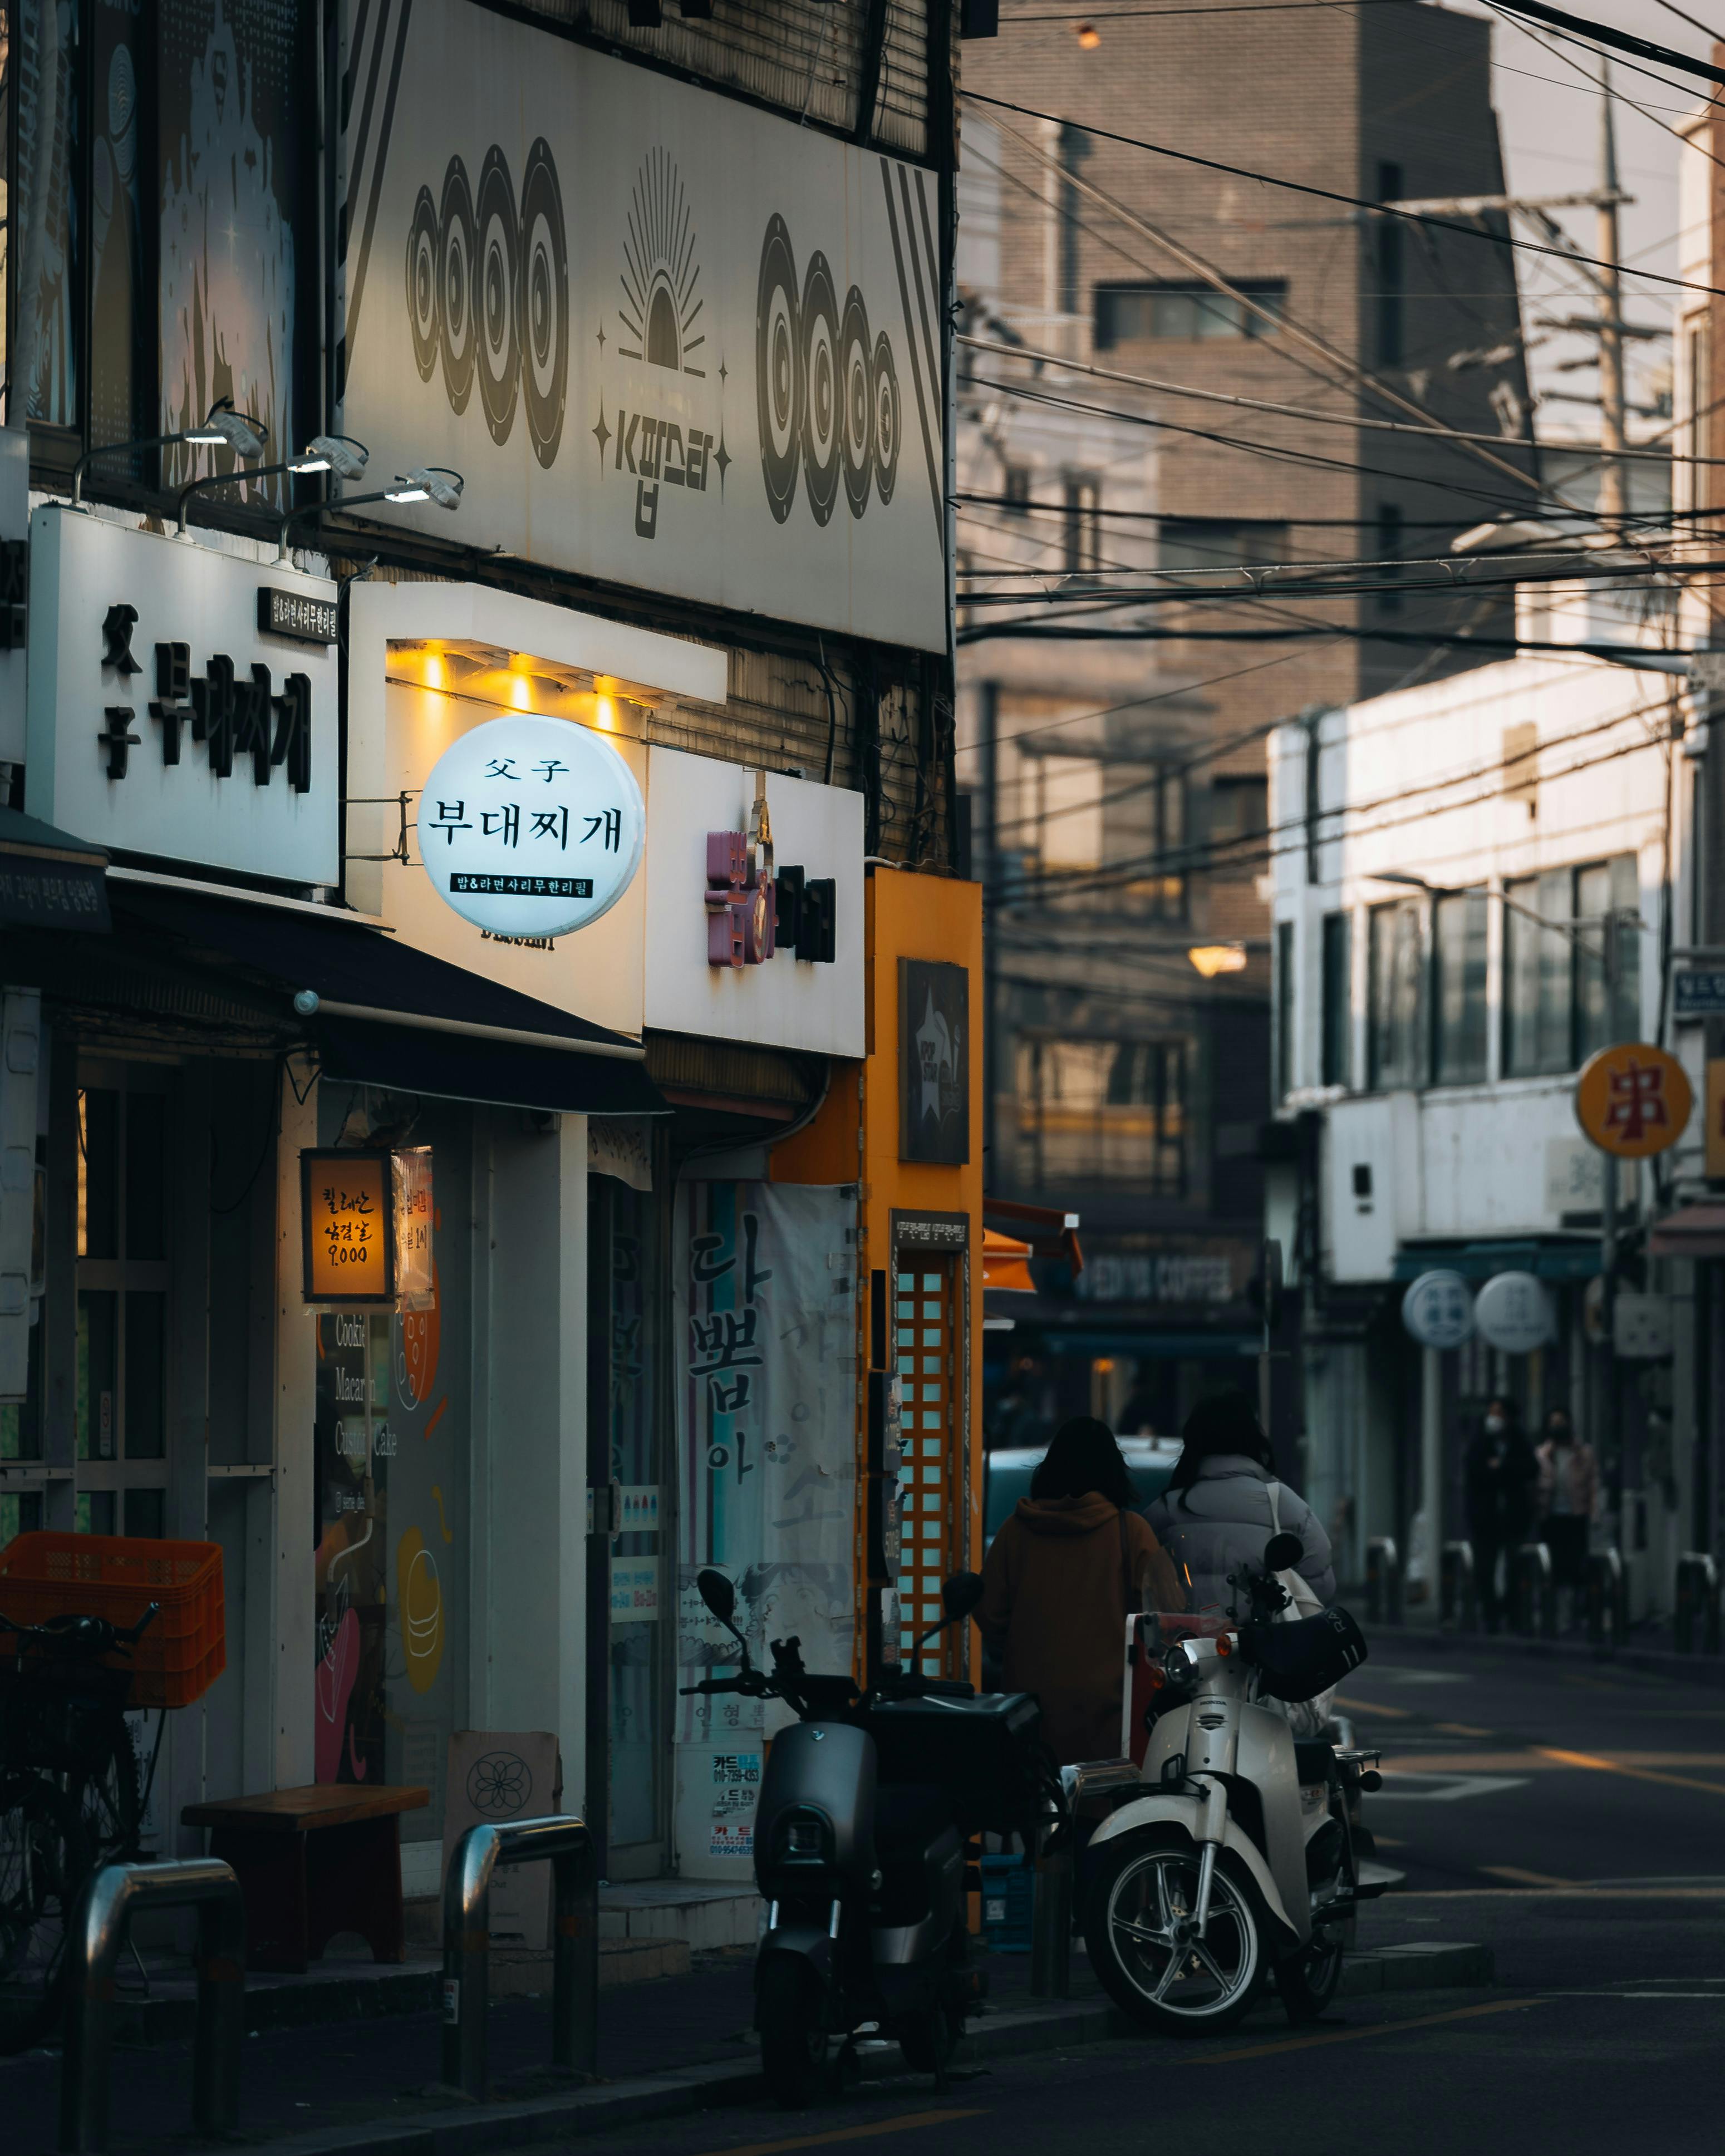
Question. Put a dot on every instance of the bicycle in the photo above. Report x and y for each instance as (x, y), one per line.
(71, 1798)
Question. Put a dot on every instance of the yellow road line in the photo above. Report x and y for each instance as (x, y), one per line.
(1517, 1877)
(1356, 2035)
(1634, 1774)
(1371, 1706)
(906, 2123)
(1460, 1729)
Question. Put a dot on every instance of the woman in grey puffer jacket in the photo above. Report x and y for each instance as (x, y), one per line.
(1216, 1514)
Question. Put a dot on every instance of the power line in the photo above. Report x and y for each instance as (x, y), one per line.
(1602, 34)
(1330, 194)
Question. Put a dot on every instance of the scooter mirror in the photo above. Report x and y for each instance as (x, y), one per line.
(717, 1593)
(961, 1595)
(1282, 1552)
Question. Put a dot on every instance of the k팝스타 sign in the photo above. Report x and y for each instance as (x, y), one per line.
(531, 826)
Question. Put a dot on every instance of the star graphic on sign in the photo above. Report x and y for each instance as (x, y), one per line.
(723, 370)
(602, 336)
(721, 458)
(601, 432)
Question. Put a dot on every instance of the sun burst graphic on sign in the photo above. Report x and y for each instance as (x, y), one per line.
(660, 272)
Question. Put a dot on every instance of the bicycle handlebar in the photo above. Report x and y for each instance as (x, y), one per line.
(88, 1635)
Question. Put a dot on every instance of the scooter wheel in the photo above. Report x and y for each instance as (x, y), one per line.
(1137, 1930)
(794, 2037)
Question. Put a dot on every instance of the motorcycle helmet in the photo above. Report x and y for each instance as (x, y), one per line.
(1298, 1661)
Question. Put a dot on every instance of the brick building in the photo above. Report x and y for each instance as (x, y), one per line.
(1122, 1082)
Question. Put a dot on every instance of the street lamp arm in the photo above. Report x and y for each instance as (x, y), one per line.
(222, 479)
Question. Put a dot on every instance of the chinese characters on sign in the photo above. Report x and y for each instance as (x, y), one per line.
(1632, 1099)
(346, 1223)
(531, 826)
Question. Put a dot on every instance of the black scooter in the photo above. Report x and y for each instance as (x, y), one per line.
(867, 1806)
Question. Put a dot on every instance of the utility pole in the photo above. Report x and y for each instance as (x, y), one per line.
(1614, 502)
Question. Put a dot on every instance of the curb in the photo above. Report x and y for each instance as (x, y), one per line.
(1650, 1661)
(477, 2129)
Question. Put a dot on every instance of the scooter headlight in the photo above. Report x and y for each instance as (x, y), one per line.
(803, 1838)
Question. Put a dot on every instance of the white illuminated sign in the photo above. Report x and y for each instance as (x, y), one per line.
(531, 826)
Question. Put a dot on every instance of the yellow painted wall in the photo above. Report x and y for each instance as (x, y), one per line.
(854, 1137)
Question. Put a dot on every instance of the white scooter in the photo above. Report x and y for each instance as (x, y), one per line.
(1239, 1859)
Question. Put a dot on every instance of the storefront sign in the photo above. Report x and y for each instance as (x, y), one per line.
(163, 720)
(635, 1590)
(1183, 1276)
(1632, 1099)
(934, 1062)
(346, 1223)
(1438, 1310)
(293, 613)
(415, 1271)
(1713, 1157)
(531, 827)
(47, 886)
(1512, 1312)
(713, 366)
(930, 1231)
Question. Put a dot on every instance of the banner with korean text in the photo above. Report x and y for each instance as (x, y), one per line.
(765, 1328)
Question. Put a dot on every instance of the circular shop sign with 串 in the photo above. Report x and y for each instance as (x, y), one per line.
(1513, 1313)
(1632, 1099)
(531, 826)
(1438, 1310)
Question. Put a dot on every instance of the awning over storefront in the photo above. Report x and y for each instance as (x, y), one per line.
(1006, 1267)
(49, 879)
(1547, 1257)
(380, 1013)
(1692, 1231)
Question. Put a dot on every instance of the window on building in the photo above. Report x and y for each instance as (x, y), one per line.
(1287, 1006)
(1102, 1111)
(1145, 823)
(1067, 829)
(1556, 1010)
(1337, 999)
(1220, 542)
(1015, 489)
(1131, 314)
(1390, 240)
(1395, 957)
(1458, 987)
(1389, 549)
(1239, 809)
(1081, 526)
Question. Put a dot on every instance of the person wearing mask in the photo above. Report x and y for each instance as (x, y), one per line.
(1501, 1474)
(1223, 1503)
(1568, 1491)
(1058, 1581)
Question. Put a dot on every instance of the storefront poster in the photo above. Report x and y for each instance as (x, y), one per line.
(765, 1319)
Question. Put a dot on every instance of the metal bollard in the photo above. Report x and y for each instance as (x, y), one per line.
(566, 1843)
(1697, 1599)
(109, 1898)
(1607, 1600)
(1383, 1581)
(1533, 1595)
(1460, 1608)
(1051, 1917)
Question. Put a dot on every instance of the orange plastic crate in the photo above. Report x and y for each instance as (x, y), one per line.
(117, 1577)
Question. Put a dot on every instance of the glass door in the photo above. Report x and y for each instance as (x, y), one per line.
(123, 1262)
(925, 1332)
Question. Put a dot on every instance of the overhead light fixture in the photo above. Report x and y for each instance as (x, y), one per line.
(431, 483)
(1212, 958)
(339, 453)
(223, 428)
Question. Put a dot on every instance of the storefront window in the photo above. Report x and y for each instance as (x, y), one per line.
(636, 1680)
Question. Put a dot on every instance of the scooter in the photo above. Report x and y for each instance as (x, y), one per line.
(867, 1805)
(1240, 1858)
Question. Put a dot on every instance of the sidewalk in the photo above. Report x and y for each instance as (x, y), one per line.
(1647, 1648)
(676, 2044)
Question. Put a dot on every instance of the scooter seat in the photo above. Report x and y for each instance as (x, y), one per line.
(909, 1816)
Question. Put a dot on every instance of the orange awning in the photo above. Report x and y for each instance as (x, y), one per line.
(1048, 1232)
(1006, 1265)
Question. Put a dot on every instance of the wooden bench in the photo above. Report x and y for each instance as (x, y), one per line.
(311, 1863)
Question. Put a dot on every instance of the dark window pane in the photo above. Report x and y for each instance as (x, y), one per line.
(1395, 954)
(21, 1421)
(21, 1515)
(1626, 898)
(95, 1511)
(1125, 313)
(97, 1408)
(1337, 991)
(1458, 964)
(145, 1416)
(1220, 542)
(98, 1173)
(146, 1512)
(1285, 1006)
(44, 234)
(146, 1175)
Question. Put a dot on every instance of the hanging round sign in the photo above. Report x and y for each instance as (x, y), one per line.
(1438, 1310)
(1632, 1099)
(1512, 1312)
(531, 826)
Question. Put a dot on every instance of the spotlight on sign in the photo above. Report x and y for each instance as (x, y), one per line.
(225, 429)
(339, 453)
(430, 483)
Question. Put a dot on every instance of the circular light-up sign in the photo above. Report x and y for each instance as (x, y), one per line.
(531, 826)
(1513, 1312)
(1438, 1310)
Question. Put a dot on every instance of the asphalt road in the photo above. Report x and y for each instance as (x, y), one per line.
(1571, 1815)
